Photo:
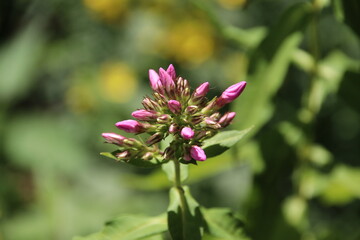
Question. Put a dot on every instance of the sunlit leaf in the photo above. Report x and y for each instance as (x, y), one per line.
(223, 141)
(130, 227)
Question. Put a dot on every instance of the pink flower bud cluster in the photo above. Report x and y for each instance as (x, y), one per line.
(173, 110)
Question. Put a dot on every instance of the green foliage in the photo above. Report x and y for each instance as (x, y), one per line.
(223, 141)
(184, 216)
(130, 227)
(222, 224)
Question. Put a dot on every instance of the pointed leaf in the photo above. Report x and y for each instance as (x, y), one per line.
(130, 227)
(223, 141)
(184, 216)
(222, 223)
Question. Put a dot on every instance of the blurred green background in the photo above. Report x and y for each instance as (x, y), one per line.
(70, 69)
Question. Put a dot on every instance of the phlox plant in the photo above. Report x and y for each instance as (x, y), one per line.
(190, 125)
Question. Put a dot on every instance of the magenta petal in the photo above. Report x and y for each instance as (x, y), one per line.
(130, 126)
(166, 79)
(232, 92)
(187, 133)
(154, 79)
(197, 153)
(171, 71)
(174, 106)
(144, 115)
(113, 138)
(202, 90)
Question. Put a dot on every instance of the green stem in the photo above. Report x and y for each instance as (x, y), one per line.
(178, 186)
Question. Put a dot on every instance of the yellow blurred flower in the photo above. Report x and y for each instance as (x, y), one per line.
(235, 66)
(118, 82)
(232, 4)
(190, 41)
(107, 9)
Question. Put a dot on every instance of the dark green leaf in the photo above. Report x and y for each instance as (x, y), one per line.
(138, 162)
(130, 227)
(184, 216)
(221, 222)
(223, 141)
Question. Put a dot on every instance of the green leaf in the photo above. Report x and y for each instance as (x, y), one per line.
(221, 223)
(130, 227)
(184, 216)
(19, 61)
(138, 162)
(269, 65)
(223, 141)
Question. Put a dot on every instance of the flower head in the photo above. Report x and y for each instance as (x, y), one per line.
(172, 109)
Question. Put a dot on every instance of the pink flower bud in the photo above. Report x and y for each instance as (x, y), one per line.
(114, 138)
(173, 128)
(166, 79)
(163, 118)
(197, 153)
(155, 82)
(231, 93)
(144, 115)
(227, 118)
(131, 126)
(174, 106)
(191, 109)
(171, 71)
(155, 138)
(202, 90)
(187, 133)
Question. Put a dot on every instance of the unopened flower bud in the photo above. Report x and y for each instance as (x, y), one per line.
(147, 156)
(144, 115)
(165, 118)
(187, 133)
(123, 155)
(211, 123)
(191, 109)
(150, 104)
(155, 138)
(197, 118)
(155, 82)
(216, 116)
(131, 126)
(173, 128)
(169, 153)
(171, 71)
(174, 106)
(114, 138)
(227, 118)
(197, 153)
(131, 142)
(230, 94)
(166, 79)
(202, 90)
